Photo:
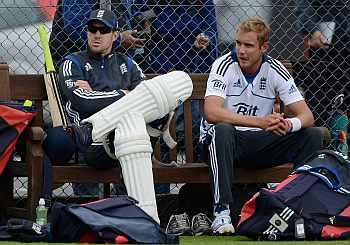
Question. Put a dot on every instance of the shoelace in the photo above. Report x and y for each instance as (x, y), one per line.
(202, 220)
(181, 220)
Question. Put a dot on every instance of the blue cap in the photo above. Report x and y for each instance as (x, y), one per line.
(105, 16)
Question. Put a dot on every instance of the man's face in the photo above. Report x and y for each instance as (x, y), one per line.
(249, 52)
(100, 38)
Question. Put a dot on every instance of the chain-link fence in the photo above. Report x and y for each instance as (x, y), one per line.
(313, 35)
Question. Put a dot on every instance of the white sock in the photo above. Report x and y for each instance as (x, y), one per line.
(133, 150)
(152, 98)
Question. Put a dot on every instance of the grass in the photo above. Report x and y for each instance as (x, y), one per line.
(239, 240)
(212, 240)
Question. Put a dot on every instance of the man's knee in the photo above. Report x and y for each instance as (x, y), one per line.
(59, 145)
(315, 136)
(96, 157)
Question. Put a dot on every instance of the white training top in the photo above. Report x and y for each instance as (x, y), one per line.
(255, 99)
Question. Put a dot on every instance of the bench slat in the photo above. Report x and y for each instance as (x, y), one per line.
(188, 173)
(30, 87)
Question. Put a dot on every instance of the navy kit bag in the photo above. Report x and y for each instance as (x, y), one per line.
(14, 119)
(105, 220)
(312, 203)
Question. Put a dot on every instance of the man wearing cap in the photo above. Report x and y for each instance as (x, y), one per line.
(92, 79)
(68, 34)
(108, 90)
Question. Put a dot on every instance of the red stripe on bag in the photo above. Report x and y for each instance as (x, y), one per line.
(16, 119)
(334, 232)
(285, 182)
(248, 209)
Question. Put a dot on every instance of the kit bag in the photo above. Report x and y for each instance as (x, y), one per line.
(105, 220)
(14, 118)
(312, 203)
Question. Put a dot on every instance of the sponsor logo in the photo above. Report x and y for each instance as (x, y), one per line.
(278, 222)
(247, 110)
(237, 84)
(323, 156)
(37, 228)
(69, 83)
(88, 66)
(220, 85)
(123, 68)
(292, 89)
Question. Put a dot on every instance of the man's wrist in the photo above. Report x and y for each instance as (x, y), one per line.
(294, 124)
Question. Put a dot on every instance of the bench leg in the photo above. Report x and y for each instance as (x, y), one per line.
(106, 190)
(35, 177)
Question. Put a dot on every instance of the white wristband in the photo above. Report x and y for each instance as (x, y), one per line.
(295, 124)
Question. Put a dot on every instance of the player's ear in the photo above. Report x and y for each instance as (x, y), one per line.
(115, 35)
(264, 47)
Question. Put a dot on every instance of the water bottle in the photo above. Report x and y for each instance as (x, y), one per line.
(41, 212)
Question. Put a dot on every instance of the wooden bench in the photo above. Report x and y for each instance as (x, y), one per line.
(21, 87)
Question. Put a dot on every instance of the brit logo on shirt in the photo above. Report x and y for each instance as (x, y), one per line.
(262, 85)
(123, 68)
(219, 85)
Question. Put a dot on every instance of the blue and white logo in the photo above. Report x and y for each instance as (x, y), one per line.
(219, 85)
(245, 109)
(292, 89)
(262, 85)
(237, 84)
(69, 83)
(88, 66)
(123, 68)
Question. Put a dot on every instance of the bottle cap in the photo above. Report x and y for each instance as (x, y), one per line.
(42, 201)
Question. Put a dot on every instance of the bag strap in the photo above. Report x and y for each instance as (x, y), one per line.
(328, 152)
(336, 220)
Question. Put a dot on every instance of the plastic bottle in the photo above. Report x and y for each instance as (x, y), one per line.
(41, 212)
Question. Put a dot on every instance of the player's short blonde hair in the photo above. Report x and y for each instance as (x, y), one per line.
(258, 25)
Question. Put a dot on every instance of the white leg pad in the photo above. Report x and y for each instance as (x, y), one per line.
(133, 150)
(152, 98)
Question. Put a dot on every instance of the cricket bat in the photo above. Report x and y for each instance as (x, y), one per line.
(53, 94)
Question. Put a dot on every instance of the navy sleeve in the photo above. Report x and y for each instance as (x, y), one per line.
(136, 74)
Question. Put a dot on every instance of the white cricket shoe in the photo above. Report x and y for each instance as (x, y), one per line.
(222, 224)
